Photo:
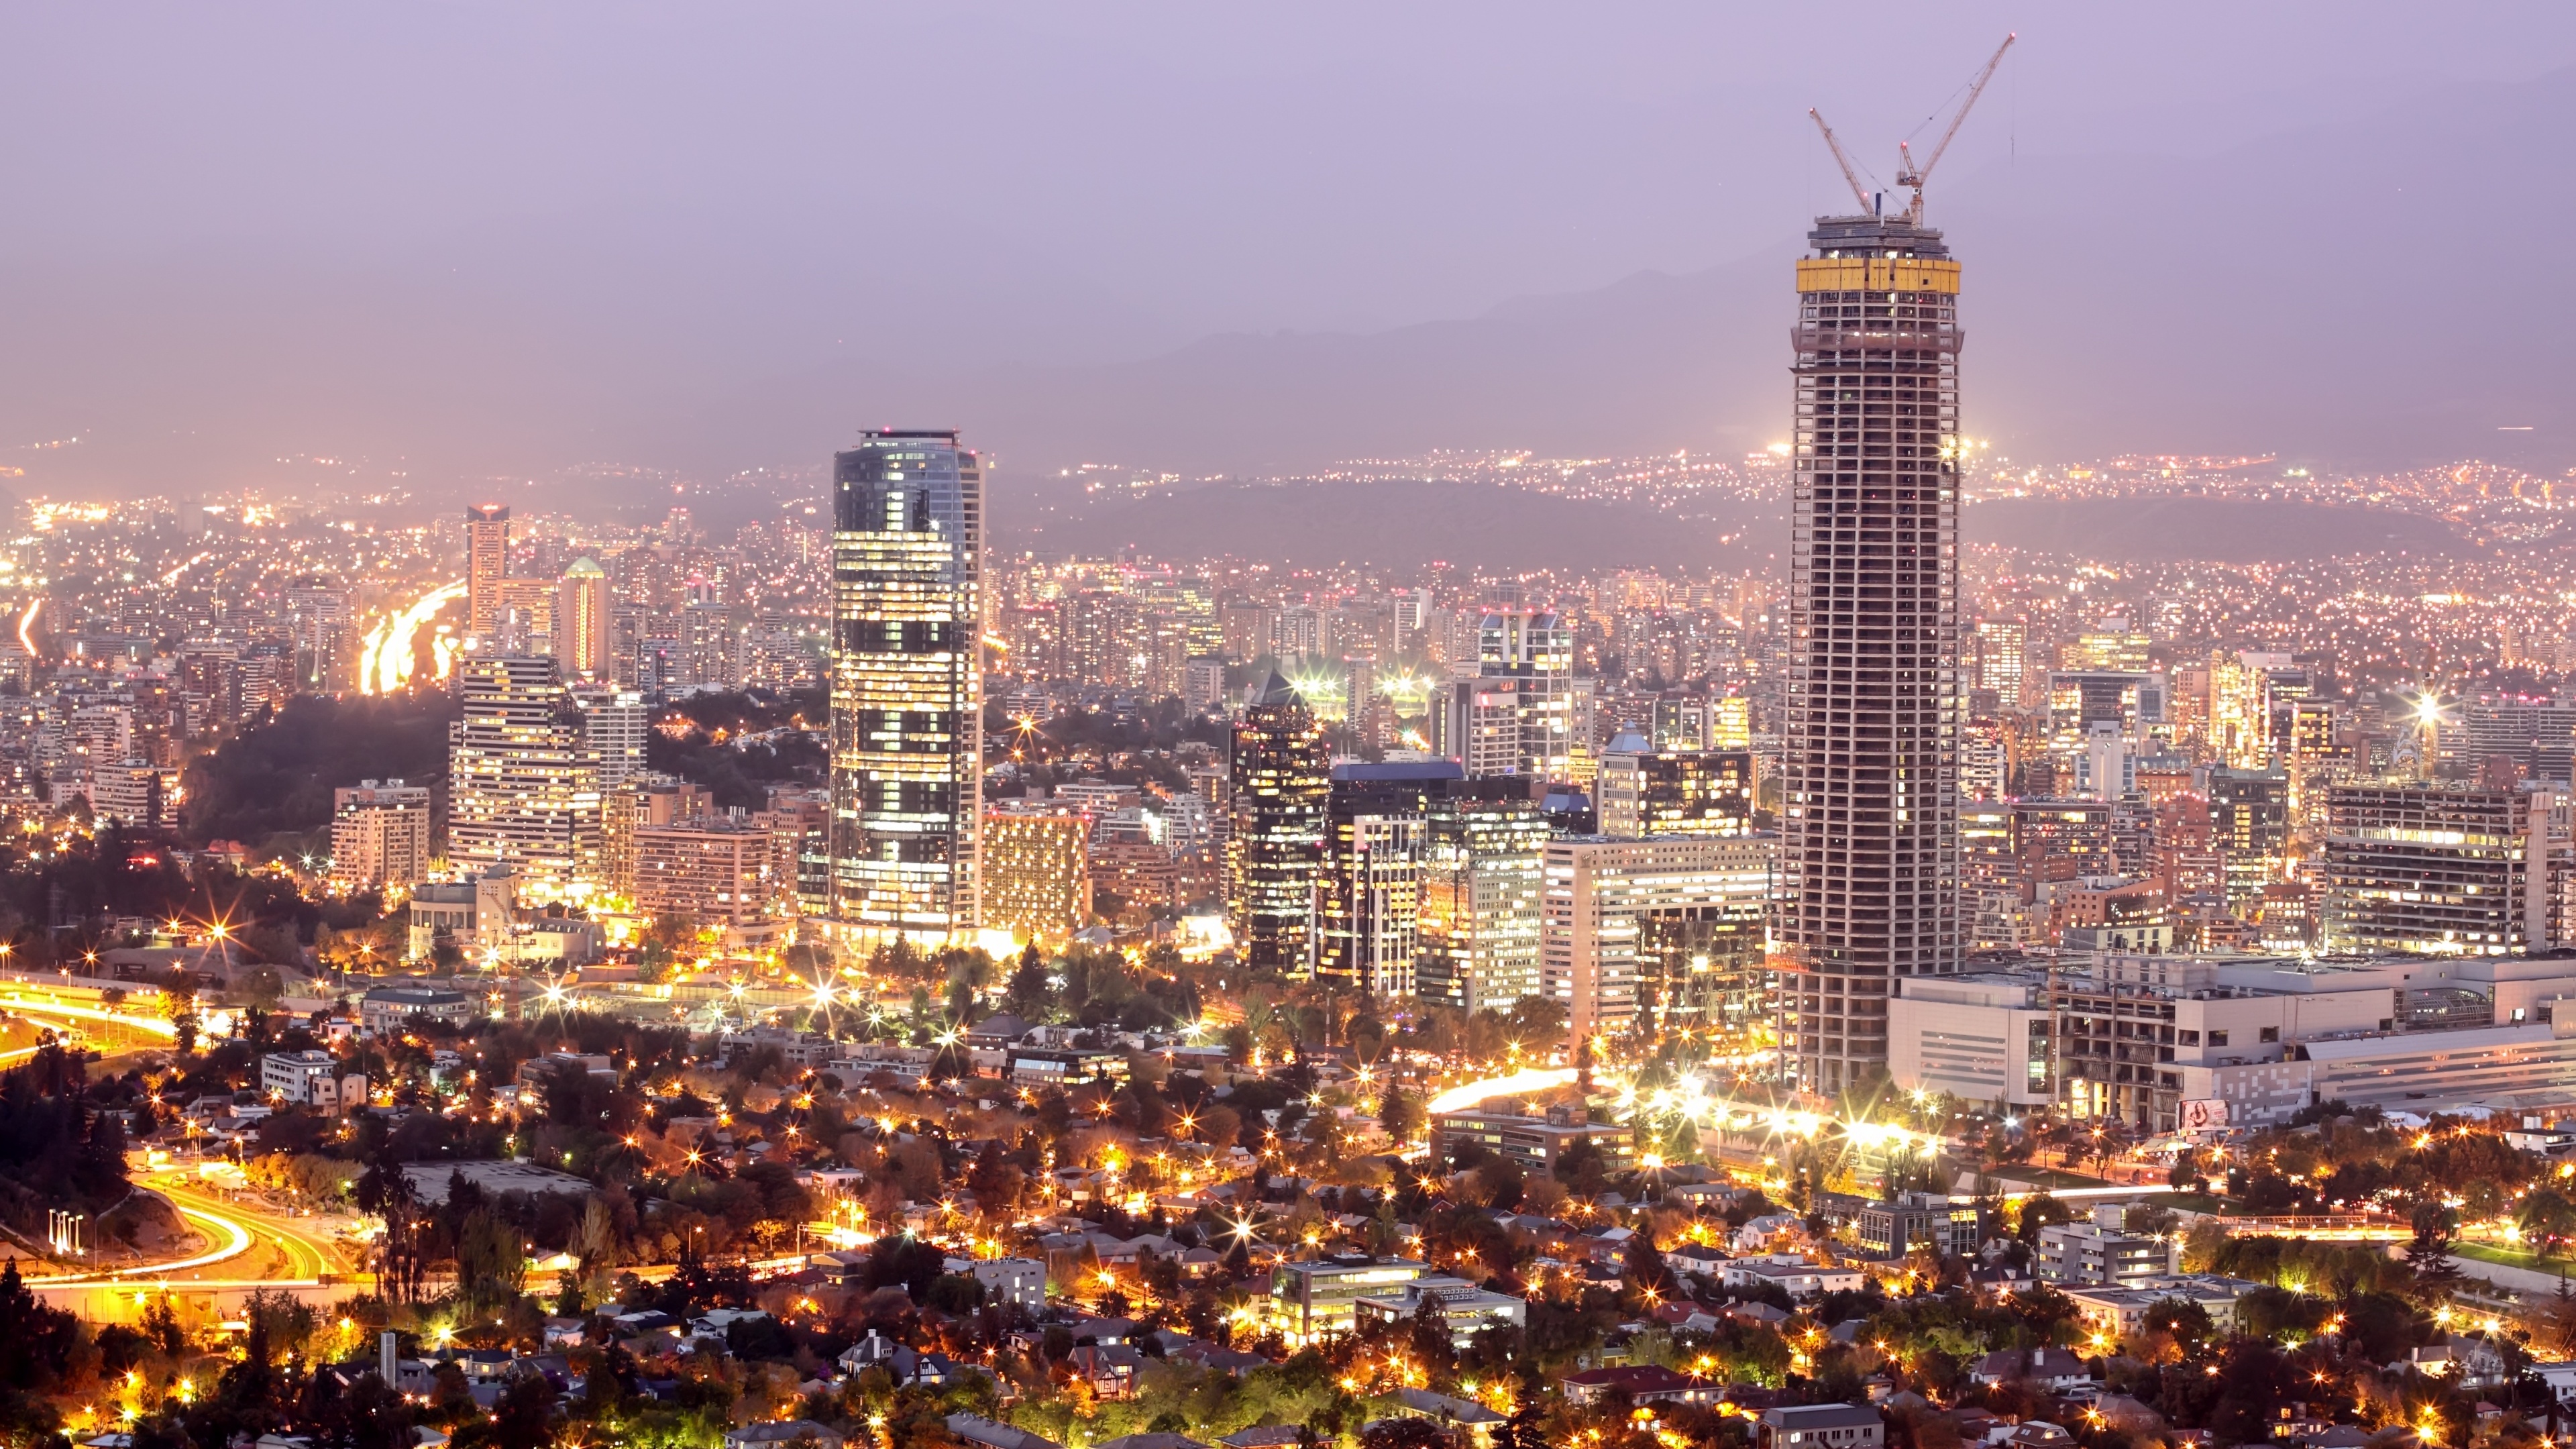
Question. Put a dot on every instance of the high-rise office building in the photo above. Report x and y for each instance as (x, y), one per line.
(581, 621)
(1277, 789)
(1668, 928)
(2002, 646)
(522, 791)
(907, 684)
(1870, 775)
(1517, 712)
(2249, 826)
(1395, 841)
(1479, 928)
(1368, 891)
(1037, 874)
(2538, 735)
(1643, 791)
(2445, 869)
(487, 562)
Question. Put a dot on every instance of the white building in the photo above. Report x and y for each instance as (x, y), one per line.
(474, 915)
(1788, 1270)
(614, 723)
(379, 834)
(384, 1010)
(1984, 1037)
(1466, 1309)
(2206, 1041)
(1013, 1281)
(2102, 1251)
(130, 792)
(312, 1079)
(2117, 1312)
(1604, 901)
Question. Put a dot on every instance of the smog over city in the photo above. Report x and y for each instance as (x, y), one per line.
(1174, 727)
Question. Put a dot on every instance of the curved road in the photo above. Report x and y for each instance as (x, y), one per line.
(260, 1248)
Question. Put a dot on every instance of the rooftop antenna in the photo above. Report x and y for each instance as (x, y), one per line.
(1906, 173)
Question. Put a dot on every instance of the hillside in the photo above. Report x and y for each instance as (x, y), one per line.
(1410, 524)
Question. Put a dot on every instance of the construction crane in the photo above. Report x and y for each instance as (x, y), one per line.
(1906, 173)
(1859, 192)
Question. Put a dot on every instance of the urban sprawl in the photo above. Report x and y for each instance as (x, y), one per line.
(516, 980)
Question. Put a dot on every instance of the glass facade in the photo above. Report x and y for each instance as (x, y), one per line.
(1275, 854)
(907, 693)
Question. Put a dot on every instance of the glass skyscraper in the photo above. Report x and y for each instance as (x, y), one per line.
(1870, 848)
(907, 690)
(1280, 784)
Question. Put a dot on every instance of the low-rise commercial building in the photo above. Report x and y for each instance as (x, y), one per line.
(311, 1079)
(1820, 1426)
(1920, 1220)
(1534, 1144)
(1012, 1282)
(2116, 1312)
(2104, 1253)
(1467, 1309)
(473, 915)
(1316, 1300)
(385, 1010)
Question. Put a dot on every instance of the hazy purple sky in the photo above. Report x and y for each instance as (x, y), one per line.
(496, 238)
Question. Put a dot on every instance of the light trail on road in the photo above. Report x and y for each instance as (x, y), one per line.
(150, 1025)
(1526, 1080)
(238, 1242)
(386, 666)
(294, 1243)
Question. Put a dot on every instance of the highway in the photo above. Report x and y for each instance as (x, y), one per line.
(255, 1248)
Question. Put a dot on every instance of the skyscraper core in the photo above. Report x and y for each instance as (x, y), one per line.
(907, 688)
(1871, 835)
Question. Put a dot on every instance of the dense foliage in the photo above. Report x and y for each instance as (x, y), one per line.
(276, 777)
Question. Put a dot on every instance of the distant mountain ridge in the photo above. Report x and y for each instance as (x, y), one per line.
(2366, 295)
(1407, 525)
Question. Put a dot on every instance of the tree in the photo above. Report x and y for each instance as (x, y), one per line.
(2548, 1219)
(491, 1263)
(523, 1419)
(2040, 1212)
(402, 1253)
(1398, 1113)
(2188, 1322)
(1030, 994)
(2429, 1253)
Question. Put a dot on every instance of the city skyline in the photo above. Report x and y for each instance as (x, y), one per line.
(1394, 880)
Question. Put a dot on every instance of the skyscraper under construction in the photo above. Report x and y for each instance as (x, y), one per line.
(1871, 834)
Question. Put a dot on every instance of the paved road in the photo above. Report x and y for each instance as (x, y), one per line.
(2521, 1280)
